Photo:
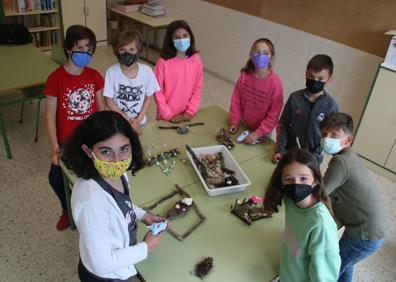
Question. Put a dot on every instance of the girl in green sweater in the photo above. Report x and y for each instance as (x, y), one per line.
(310, 249)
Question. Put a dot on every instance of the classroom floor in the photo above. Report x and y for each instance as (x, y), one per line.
(31, 249)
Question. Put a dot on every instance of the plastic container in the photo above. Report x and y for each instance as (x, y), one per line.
(230, 163)
(128, 8)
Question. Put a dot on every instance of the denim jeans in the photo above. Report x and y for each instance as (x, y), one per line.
(56, 181)
(353, 251)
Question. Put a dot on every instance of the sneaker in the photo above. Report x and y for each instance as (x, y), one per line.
(63, 222)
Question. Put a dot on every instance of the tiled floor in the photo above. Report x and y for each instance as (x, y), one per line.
(30, 247)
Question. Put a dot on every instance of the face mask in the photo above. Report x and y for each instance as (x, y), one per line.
(314, 86)
(127, 59)
(297, 192)
(182, 44)
(81, 59)
(260, 61)
(112, 170)
(331, 145)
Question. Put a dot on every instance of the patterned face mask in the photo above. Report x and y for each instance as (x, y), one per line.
(112, 170)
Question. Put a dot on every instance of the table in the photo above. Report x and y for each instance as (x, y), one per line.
(22, 66)
(153, 23)
(240, 252)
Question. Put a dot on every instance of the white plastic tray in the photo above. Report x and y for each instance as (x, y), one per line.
(230, 163)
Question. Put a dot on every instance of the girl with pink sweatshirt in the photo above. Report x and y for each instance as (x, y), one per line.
(258, 93)
(179, 74)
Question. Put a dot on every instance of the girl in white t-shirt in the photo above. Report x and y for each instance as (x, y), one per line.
(129, 85)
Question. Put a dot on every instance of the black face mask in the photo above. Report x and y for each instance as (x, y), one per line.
(297, 192)
(127, 59)
(314, 86)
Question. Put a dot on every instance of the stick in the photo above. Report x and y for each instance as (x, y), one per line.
(162, 199)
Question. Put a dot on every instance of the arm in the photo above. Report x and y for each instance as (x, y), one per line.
(100, 104)
(271, 119)
(195, 99)
(113, 107)
(93, 225)
(336, 174)
(235, 106)
(50, 122)
(162, 107)
(145, 106)
(325, 261)
(282, 128)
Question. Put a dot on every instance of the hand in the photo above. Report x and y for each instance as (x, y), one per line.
(233, 128)
(152, 241)
(54, 156)
(150, 218)
(177, 119)
(135, 123)
(276, 157)
(252, 137)
(187, 117)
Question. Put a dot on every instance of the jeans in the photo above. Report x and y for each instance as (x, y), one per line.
(353, 251)
(56, 181)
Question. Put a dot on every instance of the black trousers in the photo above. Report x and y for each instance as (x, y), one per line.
(86, 276)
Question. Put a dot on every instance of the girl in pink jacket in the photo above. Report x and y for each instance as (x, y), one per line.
(179, 74)
(258, 93)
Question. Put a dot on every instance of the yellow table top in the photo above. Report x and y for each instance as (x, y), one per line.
(153, 22)
(23, 66)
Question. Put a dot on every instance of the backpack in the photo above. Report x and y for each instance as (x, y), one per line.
(14, 34)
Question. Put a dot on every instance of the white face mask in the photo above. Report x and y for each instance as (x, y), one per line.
(331, 146)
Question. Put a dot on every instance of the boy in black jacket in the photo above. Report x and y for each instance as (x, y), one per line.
(305, 109)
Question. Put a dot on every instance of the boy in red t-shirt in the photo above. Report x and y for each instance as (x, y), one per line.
(74, 92)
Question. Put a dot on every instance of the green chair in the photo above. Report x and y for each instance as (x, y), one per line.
(28, 96)
(37, 92)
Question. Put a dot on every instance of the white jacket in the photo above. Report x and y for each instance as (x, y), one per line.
(104, 238)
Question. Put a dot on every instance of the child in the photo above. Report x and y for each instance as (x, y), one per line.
(298, 126)
(310, 246)
(258, 94)
(129, 85)
(73, 93)
(179, 74)
(354, 194)
(99, 152)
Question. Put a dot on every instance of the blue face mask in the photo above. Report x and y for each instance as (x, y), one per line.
(260, 61)
(182, 44)
(331, 146)
(81, 59)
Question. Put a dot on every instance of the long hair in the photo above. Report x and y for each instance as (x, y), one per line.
(273, 195)
(249, 67)
(168, 50)
(96, 128)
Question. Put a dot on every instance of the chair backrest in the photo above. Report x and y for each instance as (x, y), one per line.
(58, 55)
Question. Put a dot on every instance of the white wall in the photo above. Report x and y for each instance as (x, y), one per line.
(224, 36)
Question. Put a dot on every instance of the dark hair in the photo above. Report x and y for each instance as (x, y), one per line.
(76, 33)
(338, 121)
(168, 50)
(125, 37)
(249, 67)
(273, 194)
(97, 128)
(321, 62)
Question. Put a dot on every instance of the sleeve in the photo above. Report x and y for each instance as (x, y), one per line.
(336, 174)
(139, 212)
(93, 225)
(152, 83)
(51, 86)
(334, 107)
(283, 127)
(109, 90)
(324, 264)
(99, 82)
(162, 107)
(271, 119)
(235, 106)
(195, 99)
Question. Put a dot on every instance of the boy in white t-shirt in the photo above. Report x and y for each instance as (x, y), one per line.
(129, 85)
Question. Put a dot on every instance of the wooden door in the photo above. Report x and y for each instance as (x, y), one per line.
(96, 18)
(73, 12)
